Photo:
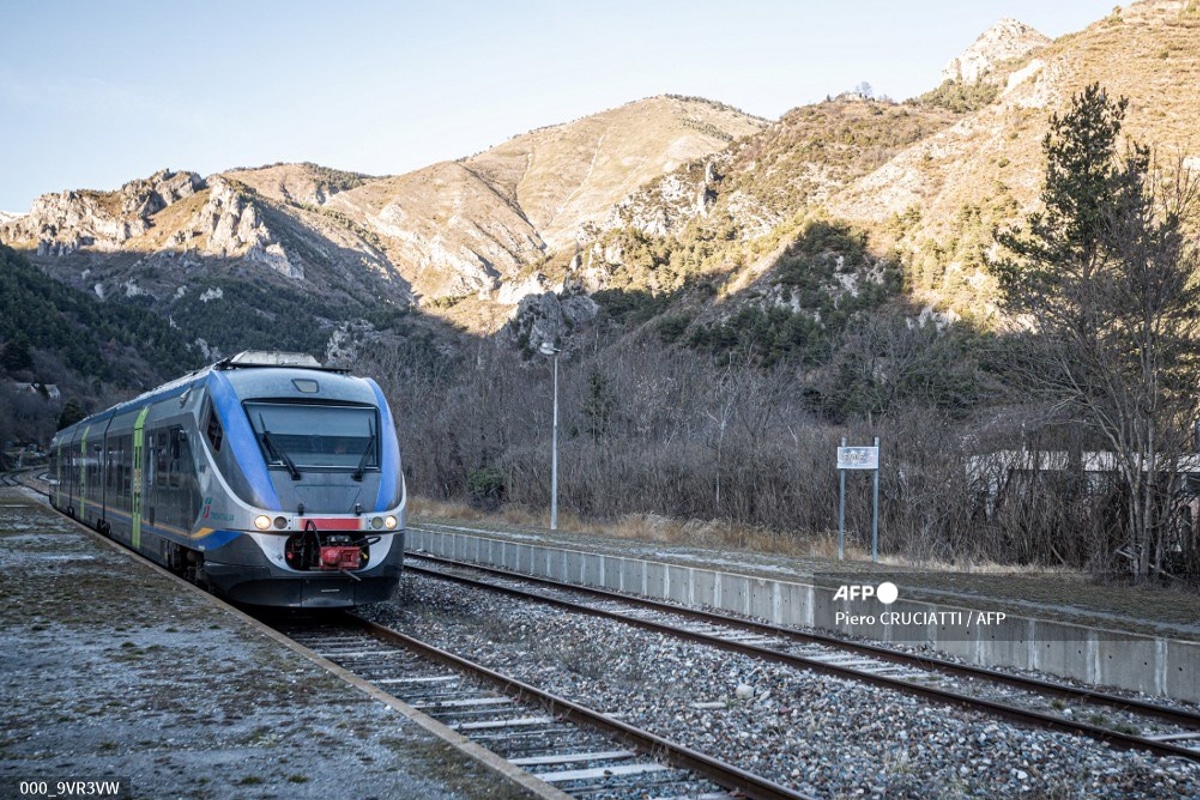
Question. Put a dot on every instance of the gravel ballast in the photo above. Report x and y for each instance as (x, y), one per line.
(823, 735)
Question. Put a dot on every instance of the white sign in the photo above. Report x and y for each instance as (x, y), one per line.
(858, 458)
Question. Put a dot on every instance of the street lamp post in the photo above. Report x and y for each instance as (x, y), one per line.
(549, 350)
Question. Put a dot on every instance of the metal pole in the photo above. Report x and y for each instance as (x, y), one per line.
(842, 511)
(554, 456)
(875, 512)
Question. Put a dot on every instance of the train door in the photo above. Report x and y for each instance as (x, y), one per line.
(138, 478)
(184, 486)
(72, 463)
(94, 465)
(81, 470)
(60, 471)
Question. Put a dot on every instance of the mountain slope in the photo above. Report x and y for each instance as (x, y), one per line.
(433, 236)
(643, 197)
(946, 192)
(69, 331)
(568, 175)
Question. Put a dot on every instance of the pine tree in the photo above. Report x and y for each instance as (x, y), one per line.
(1105, 282)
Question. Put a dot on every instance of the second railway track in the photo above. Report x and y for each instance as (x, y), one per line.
(1116, 720)
(818, 733)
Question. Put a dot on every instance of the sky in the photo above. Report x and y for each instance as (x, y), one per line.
(94, 94)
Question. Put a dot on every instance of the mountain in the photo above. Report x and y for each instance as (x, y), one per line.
(937, 202)
(652, 197)
(432, 237)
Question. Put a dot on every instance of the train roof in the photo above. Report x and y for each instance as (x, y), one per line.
(268, 366)
(248, 359)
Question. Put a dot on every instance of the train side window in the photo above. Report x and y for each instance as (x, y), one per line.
(216, 435)
(162, 466)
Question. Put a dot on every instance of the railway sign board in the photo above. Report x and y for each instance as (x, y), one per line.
(861, 458)
(858, 457)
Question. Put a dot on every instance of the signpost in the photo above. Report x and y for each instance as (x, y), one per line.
(858, 458)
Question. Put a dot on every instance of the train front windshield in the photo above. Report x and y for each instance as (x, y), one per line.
(311, 436)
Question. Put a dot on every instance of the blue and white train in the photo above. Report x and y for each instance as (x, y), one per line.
(265, 477)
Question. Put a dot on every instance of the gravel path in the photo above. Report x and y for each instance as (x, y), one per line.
(824, 735)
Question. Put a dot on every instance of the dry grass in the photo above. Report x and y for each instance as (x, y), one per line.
(715, 534)
(1066, 594)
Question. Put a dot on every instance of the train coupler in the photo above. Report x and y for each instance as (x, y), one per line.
(341, 557)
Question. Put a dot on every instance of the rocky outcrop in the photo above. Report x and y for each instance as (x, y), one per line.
(141, 199)
(549, 318)
(230, 226)
(62, 223)
(667, 204)
(1006, 41)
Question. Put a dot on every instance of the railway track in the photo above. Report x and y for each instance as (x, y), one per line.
(582, 752)
(1115, 720)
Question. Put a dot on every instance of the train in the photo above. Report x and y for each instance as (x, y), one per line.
(266, 478)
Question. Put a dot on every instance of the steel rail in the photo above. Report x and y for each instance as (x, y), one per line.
(1176, 716)
(1012, 713)
(734, 778)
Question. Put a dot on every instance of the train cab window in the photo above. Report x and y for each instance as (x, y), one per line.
(214, 431)
(297, 436)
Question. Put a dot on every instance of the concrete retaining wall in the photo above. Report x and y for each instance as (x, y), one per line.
(1154, 665)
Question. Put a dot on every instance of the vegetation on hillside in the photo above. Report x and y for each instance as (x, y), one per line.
(96, 339)
(817, 149)
(959, 97)
(90, 352)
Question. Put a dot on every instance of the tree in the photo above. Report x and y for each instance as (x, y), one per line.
(15, 356)
(1105, 281)
(72, 412)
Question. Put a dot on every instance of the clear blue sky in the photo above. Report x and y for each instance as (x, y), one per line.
(94, 93)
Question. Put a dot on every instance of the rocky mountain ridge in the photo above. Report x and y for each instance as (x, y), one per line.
(470, 228)
(646, 197)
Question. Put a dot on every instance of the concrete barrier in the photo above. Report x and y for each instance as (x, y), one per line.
(1154, 665)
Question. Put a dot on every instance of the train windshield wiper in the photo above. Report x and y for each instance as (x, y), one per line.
(278, 453)
(362, 462)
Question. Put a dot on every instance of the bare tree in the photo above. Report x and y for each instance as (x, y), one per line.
(1106, 281)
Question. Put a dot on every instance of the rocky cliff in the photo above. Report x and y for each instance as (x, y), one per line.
(1007, 41)
(59, 224)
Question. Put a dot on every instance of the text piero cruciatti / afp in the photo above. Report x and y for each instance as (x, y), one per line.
(956, 618)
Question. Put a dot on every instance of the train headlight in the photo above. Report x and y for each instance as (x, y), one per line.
(280, 523)
(391, 522)
(262, 522)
